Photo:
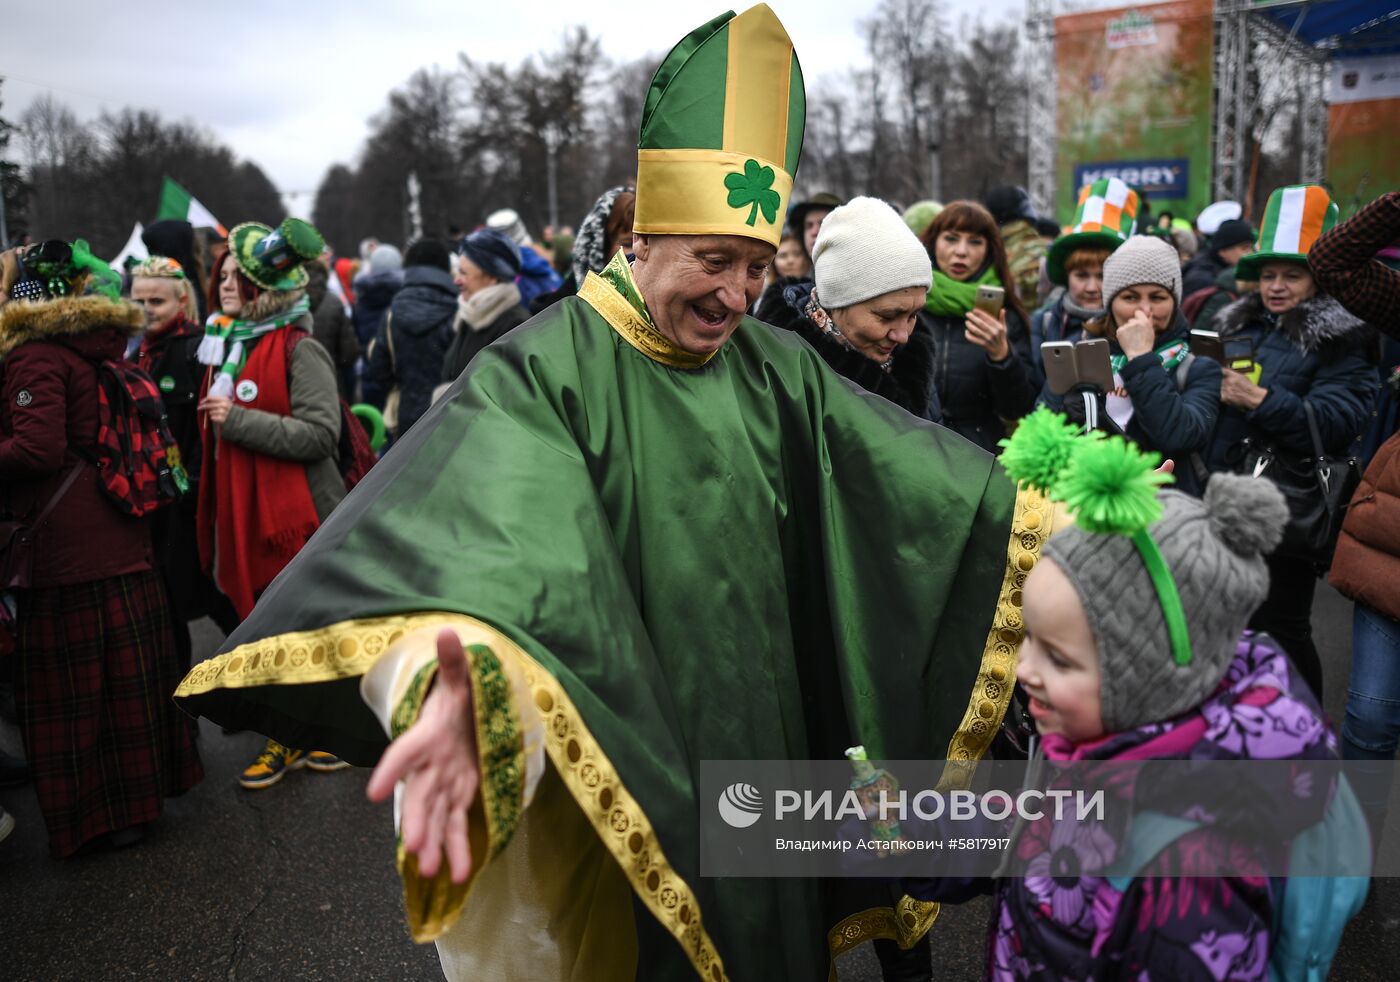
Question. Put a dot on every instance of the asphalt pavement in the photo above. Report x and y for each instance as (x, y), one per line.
(297, 881)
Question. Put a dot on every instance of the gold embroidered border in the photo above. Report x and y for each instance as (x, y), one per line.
(338, 651)
(434, 904)
(1032, 521)
(905, 923)
(615, 309)
(618, 819)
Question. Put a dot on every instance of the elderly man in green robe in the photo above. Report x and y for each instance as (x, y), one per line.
(641, 531)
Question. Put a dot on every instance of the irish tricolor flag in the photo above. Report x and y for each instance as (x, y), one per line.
(176, 202)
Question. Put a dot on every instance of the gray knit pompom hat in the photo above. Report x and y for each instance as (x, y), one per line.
(1142, 259)
(1214, 549)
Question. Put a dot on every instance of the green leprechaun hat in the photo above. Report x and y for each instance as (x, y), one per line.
(1104, 219)
(273, 258)
(1293, 220)
(722, 131)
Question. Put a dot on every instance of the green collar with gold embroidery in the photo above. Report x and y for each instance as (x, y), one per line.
(614, 295)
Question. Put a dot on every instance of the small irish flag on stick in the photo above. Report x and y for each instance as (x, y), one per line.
(176, 202)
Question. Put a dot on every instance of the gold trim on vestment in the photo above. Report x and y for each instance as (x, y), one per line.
(349, 648)
(327, 654)
(614, 308)
(618, 819)
(904, 924)
(1032, 521)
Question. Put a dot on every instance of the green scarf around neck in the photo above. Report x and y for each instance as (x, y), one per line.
(953, 298)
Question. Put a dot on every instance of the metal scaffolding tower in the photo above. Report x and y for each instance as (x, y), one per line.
(1253, 58)
(1040, 128)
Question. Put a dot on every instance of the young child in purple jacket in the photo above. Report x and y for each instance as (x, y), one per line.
(1121, 667)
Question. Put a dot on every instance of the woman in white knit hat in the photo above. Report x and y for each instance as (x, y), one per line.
(1165, 401)
(864, 316)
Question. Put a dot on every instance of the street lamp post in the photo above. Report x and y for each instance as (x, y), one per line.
(552, 136)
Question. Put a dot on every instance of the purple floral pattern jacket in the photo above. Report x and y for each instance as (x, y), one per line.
(1061, 921)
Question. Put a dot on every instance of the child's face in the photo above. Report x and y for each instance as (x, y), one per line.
(1059, 661)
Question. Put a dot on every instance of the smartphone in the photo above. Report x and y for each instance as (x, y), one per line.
(1093, 364)
(1060, 371)
(1207, 344)
(989, 300)
(1239, 353)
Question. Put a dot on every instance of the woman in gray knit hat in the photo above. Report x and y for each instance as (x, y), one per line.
(1165, 400)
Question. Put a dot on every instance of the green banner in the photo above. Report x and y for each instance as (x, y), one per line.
(1134, 88)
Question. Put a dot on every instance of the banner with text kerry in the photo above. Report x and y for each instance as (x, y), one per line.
(1134, 90)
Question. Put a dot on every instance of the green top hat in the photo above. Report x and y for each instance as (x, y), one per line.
(722, 131)
(1293, 219)
(1104, 219)
(273, 258)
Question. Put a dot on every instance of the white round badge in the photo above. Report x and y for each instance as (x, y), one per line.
(247, 390)
(23, 398)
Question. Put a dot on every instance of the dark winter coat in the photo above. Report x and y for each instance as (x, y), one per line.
(180, 377)
(1065, 920)
(1202, 271)
(421, 321)
(49, 409)
(373, 294)
(976, 393)
(773, 306)
(1316, 351)
(909, 382)
(1170, 418)
(467, 342)
(1221, 296)
(334, 330)
(1052, 323)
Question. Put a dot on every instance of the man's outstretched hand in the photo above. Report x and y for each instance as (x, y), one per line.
(436, 758)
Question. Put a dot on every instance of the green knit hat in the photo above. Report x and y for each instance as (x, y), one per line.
(273, 259)
(1293, 220)
(722, 131)
(1104, 219)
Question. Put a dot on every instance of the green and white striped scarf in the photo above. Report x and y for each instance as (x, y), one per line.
(225, 343)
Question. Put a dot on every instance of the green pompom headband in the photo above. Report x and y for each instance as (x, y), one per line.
(1110, 486)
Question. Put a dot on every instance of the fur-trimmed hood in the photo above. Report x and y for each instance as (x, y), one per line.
(65, 318)
(269, 303)
(1315, 324)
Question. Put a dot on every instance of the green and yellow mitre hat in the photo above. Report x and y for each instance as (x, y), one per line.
(722, 131)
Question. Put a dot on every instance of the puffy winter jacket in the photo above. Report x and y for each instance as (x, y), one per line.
(1316, 351)
(1173, 419)
(420, 318)
(976, 393)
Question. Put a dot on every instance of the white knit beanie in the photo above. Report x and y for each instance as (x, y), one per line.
(865, 250)
(1142, 259)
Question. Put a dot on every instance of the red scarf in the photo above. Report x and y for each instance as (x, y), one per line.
(153, 345)
(257, 508)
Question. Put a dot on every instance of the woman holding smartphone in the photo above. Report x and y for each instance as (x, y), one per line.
(1162, 399)
(1308, 352)
(982, 367)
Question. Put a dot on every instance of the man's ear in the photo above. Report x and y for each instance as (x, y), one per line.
(641, 246)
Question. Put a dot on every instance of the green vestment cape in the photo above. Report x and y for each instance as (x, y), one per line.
(751, 559)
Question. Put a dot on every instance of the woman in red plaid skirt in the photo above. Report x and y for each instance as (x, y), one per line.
(97, 663)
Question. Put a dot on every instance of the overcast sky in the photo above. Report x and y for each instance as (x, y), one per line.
(292, 86)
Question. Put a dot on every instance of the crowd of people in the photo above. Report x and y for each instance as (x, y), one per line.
(283, 373)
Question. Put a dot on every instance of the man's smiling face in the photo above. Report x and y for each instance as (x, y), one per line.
(697, 287)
